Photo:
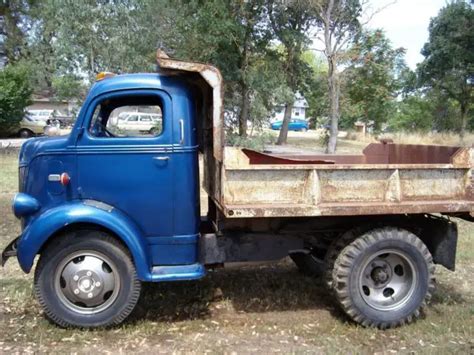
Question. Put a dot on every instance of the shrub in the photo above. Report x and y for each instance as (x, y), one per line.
(256, 142)
(15, 95)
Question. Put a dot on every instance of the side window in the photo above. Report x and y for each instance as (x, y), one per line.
(128, 117)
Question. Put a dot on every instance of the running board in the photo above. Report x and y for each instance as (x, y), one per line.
(177, 272)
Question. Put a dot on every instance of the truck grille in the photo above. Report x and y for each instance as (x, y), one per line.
(21, 178)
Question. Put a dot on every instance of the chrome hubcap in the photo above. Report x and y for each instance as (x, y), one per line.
(87, 282)
(388, 280)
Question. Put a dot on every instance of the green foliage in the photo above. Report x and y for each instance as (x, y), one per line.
(372, 78)
(413, 113)
(261, 48)
(12, 29)
(231, 35)
(316, 92)
(15, 95)
(256, 142)
(449, 55)
(290, 23)
(67, 87)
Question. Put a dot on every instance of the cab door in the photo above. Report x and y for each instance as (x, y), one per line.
(129, 170)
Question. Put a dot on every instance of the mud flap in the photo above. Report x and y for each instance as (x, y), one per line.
(441, 237)
(8, 252)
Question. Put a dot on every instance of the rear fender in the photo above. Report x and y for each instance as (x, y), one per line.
(47, 224)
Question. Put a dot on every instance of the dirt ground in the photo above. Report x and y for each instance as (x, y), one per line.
(260, 308)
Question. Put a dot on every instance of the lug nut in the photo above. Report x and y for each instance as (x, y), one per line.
(89, 295)
(97, 284)
(75, 278)
(89, 273)
(76, 291)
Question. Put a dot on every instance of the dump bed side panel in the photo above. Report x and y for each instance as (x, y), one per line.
(263, 190)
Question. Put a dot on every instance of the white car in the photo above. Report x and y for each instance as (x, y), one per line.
(30, 127)
(138, 122)
(41, 115)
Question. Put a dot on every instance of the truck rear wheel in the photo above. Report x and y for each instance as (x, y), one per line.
(87, 279)
(384, 278)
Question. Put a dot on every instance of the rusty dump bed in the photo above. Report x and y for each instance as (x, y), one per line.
(385, 179)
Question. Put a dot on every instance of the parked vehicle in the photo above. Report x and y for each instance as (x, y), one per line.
(31, 126)
(138, 122)
(294, 125)
(106, 213)
(41, 115)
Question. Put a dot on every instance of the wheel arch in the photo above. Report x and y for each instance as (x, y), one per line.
(56, 222)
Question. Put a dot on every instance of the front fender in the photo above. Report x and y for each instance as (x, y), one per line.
(51, 221)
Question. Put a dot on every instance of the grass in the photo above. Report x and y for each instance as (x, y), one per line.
(264, 308)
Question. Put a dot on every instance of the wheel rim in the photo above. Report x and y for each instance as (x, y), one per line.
(388, 280)
(25, 134)
(87, 282)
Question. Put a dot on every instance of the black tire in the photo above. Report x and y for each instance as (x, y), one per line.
(415, 278)
(333, 252)
(154, 131)
(25, 133)
(50, 293)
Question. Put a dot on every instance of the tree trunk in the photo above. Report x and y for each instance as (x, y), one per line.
(333, 85)
(282, 137)
(244, 110)
(464, 109)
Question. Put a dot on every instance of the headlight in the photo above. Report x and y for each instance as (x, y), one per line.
(24, 205)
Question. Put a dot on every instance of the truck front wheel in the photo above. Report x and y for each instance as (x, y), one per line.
(384, 278)
(86, 279)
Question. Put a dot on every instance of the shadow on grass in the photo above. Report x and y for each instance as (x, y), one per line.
(13, 285)
(446, 295)
(249, 290)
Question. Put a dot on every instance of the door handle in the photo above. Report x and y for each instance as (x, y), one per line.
(161, 158)
(181, 132)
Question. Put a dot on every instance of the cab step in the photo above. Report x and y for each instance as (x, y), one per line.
(178, 272)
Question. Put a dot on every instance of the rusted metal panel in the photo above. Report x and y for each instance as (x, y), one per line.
(264, 186)
(374, 153)
(432, 184)
(212, 76)
(353, 186)
(441, 183)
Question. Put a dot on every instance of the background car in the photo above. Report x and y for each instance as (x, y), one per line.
(41, 115)
(139, 122)
(294, 125)
(31, 126)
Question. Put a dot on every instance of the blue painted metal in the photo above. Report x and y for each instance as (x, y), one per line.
(294, 125)
(155, 203)
(174, 250)
(178, 273)
(52, 220)
(24, 205)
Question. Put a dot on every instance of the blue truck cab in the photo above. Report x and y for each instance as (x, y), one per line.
(117, 203)
(144, 188)
(134, 190)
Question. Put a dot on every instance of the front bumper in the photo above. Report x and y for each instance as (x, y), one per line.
(9, 251)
